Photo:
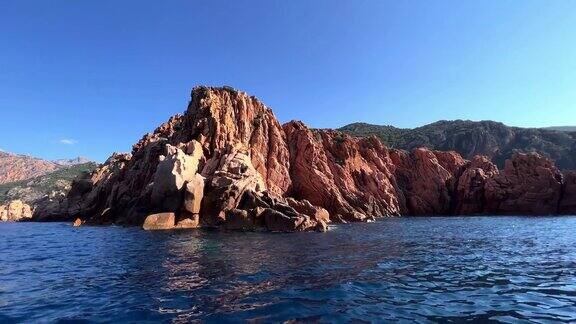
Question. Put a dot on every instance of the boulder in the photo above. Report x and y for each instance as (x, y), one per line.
(172, 173)
(194, 194)
(306, 208)
(191, 221)
(160, 221)
(238, 219)
(15, 210)
(235, 175)
(275, 221)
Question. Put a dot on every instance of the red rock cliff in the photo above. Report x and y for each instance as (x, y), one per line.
(227, 162)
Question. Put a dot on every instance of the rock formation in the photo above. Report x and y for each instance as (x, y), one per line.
(471, 191)
(470, 138)
(14, 211)
(528, 185)
(568, 201)
(228, 163)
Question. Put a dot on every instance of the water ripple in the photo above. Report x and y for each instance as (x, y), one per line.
(498, 269)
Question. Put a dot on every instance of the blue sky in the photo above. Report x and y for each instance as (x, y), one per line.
(91, 77)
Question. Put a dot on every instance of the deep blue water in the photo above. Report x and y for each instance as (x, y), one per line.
(408, 269)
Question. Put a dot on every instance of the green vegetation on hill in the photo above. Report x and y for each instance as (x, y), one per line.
(54, 183)
(470, 138)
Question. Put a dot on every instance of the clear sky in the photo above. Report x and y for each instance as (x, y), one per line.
(91, 77)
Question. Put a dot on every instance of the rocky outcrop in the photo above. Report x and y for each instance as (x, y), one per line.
(427, 179)
(200, 166)
(528, 185)
(14, 211)
(470, 138)
(470, 194)
(352, 178)
(568, 201)
(228, 163)
(160, 221)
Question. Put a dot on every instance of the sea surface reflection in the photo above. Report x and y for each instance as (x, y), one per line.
(418, 269)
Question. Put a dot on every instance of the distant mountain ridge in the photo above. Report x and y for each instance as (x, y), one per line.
(470, 138)
(17, 167)
(71, 162)
(562, 128)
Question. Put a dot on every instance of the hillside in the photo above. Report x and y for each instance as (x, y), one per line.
(562, 128)
(469, 138)
(15, 167)
(51, 184)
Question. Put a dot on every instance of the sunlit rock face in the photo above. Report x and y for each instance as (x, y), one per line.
(14, 211)
(228, 163)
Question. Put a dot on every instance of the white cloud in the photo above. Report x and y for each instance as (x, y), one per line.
(68, 141)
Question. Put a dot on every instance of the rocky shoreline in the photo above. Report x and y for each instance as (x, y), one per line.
(15, 211)
(228, 163)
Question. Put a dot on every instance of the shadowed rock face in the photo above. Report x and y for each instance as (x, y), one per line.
(227, 162)
(568, 201)
(528, 184)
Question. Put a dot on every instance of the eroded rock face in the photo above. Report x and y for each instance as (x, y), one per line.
(173, 172)
(470, 194)
(227, 163)
(14, 211)
(528, 185)
(427, 179)
(351, 178)
(568, 200)
(197, 166)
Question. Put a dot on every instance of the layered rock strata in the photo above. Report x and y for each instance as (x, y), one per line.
(228, 163)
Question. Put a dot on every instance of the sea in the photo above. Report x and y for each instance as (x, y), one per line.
(416, 269)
